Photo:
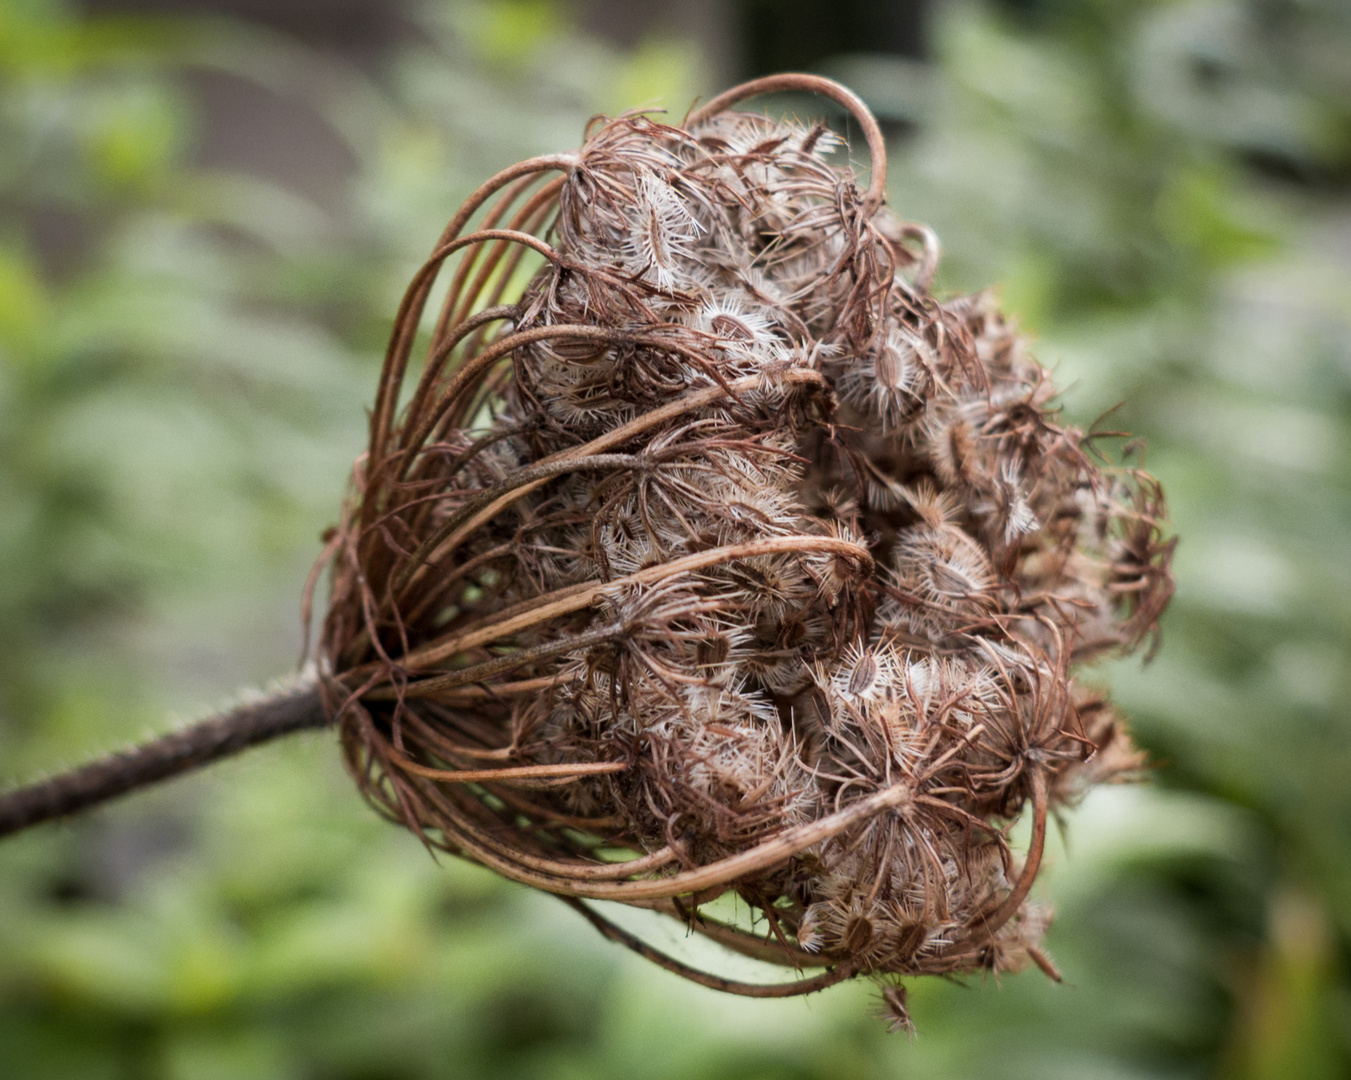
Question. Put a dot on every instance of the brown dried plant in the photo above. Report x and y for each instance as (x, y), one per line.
(711, 552)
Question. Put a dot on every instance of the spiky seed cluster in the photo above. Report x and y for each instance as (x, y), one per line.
(719, 555)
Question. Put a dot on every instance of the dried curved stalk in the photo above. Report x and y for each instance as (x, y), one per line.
(814, 84)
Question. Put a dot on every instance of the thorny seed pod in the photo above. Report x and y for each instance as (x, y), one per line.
(710, 536)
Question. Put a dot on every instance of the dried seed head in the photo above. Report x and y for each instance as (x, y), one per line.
(724, 542)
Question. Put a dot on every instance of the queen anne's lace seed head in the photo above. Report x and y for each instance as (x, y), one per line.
(724, 543)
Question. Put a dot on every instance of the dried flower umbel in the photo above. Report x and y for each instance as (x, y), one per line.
(719, 555)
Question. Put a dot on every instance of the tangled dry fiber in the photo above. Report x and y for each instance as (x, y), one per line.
(711, 553)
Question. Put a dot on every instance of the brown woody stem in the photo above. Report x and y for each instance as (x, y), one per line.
(161, 758)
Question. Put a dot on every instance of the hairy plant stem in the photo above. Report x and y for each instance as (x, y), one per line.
(162, 758)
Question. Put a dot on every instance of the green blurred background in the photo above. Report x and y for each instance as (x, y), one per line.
(207, 214)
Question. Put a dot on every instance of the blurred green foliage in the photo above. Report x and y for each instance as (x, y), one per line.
(1164, 190)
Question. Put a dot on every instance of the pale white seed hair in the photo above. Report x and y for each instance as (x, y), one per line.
(663, 233)
(1019, 520)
